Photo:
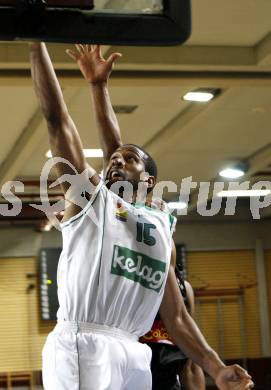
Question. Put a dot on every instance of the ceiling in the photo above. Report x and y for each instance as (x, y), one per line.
(230, 48)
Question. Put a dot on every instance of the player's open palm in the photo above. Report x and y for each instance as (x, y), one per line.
(234, 378)
(94, 67)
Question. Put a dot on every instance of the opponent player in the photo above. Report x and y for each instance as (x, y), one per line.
(190, 374)
(112, 275)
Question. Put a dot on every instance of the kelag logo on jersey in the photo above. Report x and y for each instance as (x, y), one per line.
(138, 267)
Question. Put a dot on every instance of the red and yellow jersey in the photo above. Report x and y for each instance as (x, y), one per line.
(157, 334)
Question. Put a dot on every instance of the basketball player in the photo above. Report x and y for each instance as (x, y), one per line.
(112, 275)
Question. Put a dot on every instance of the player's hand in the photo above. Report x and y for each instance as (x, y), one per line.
(94, 67)
(233, 378)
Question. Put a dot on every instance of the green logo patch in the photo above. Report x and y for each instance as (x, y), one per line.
(148, 272)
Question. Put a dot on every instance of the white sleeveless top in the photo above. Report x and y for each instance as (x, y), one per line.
(114, 263)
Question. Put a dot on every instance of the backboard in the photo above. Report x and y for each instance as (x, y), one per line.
(118, 22)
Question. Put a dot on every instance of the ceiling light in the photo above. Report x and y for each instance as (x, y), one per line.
(198, 96)
(202, 94)
(235, 170)
(232, 173)
(177, 205)
(243, 193)
(45, 227)
(93, 153)
(87, 153)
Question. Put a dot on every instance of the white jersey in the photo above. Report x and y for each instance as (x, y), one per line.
(114, 263)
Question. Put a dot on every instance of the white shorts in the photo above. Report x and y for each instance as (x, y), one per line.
(82, 356)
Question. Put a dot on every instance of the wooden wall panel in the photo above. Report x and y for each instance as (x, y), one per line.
(21, 334)
(227, 270)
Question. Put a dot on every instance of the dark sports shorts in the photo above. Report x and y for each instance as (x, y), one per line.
(167, 361)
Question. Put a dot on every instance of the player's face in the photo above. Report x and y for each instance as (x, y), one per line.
(126, 164)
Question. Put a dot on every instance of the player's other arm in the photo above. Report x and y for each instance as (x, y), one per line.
(64, 139)
(96, 71)
(192, 376)
(190, 340)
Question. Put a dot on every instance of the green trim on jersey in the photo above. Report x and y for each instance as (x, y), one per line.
(171, 220)
(143, 205)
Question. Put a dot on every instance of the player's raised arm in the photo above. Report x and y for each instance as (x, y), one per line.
(190, 340)
(64, 139)
(96, 70)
